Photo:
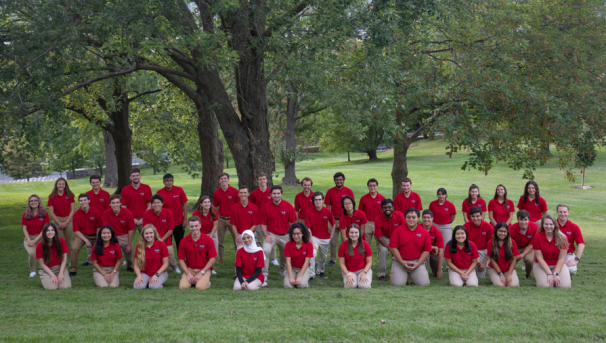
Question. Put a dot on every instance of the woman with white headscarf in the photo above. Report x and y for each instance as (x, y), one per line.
(250, 260)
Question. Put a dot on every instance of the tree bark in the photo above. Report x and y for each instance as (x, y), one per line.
(210, 148)
(400, 167)
(348, 158)
(111, 164)
(372, 155)
(292, 111)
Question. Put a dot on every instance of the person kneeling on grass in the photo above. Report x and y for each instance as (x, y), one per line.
(550, 248)
(151, 257)
(51, 253)
(250, 261)
(197, 255)
(503, 254)
(355, 260)
(106, 257)
(461, 257)
(298, 252)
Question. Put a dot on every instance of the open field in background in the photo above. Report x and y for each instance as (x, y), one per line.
(326, 312)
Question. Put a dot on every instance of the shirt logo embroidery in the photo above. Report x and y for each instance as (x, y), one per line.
(325, 217)
(378, 202)
(255, 258)
(142, 194)
(419, 235)
(122, 221)
(112, 252)
(92, 218)
(41, 219)
(507, 207)
(569, 233)
(229, 196)
(445, 208)
(175, 196)
(250, 212)
(529, 236)
(305, 253)
(413, 201)
(101, 199)
(157, 251)
(357, 221)
(284, 212)
(202, 246)
(396, 224)
(164, 220)
(484, 233)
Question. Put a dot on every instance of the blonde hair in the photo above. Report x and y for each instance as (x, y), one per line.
(141, 245)
(560, 238)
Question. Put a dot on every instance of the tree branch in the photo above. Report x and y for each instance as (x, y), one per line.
(292, 13)
(143, 94)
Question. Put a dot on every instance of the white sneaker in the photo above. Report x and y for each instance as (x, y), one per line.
(214, 272)
(275, 262)
(177, 270)
(283, 273)
(124, 262)
(264, 284)
(523, 267)
(32, 274)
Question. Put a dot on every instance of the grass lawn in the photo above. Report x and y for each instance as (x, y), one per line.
(326, 312)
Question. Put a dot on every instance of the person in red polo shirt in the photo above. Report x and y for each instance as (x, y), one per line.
(479, 232)
(385, 224)
(209, 219)
(351, 216)
(61, 207)
(276, 218)
(574, 235)
(522, 233)
(197, 255)
(99, 199)
(123, 223)
(87, 221)
(503, 252)
(106, 257)
(51, 253)
(34, 218)
(152, 260)
(436, 257)
(532, 202)
(298, 252)
(321, 223)
(444, 214)
(136, 197)
(333, 202)
(303, 200)
(260, 197)
(473, 199)
(550, 248)
(461, 257)
(176, 201)
(407, 198)
(410, 246)
(500, 209)
(244, 216)
(370, 204)
(223, 199)
(355, 260)
(250, 260)
(162, 219)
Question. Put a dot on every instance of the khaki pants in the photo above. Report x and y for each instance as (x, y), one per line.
(267, 247)
(457, 281)
(202, 284)
(100, 280)
(369, 231)
(139, 227)
(383, 253)
(76, 247)
(334, 242)
(356, 277)
(31, 252)
(399, 275)
(528, 260)
(67, 234)
(482, 253)
(496, 279)
(432, 261)
(222, 228)
(295, 273)
(572, 270)
(128, 257)
(158, 285)
(259, 236)
(172, 261)
(216, 240)
(47, 281)
(322, 246)
(446, 231)
(251, 286)
(300, 221)
(541, 277)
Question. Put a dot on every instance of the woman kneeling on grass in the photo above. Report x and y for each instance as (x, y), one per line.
(106, 257)
(355, 260)
(34, 218)
(51, 253)
(550, 249)
(298, 252)
(250, 260)
(461, 257)
(503, 253)
(152, 260)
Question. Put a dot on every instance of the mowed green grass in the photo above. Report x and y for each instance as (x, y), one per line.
(326, 312)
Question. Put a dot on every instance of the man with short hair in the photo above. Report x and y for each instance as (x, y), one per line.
(407, 198)
(370, 204)
(574, 235)
(99, 199)
(385, 224)
(321, 223)
(223, 199)
(136, 197)
(333, 202)
(86, 221)
(522, 233)
(163, 220)
(244, 216)
(260, 197)
(479, 232)
(436, 257)
(303, 200)
(196, 256)
(176, 201)
(122, 221)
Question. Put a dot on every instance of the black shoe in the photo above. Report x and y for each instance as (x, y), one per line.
(72, 274)
(86, 264)
(130, 270)
(312, 279)
(381, 278)
(323, 276)
(330, 263)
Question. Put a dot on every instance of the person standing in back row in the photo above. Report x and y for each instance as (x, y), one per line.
(333, 202)
(61, 207)
(407, 198)
(303, 200)
(223, 199)
(244, 216)
(479, 233)
(574, 235)
(522, 234)
(260, 197)
(87, 222)
(444, 214)
(321, 222)
(473, 199)
(163, 221)
(99, 199)
(176, 201)
(370, 204)
(500, 209)
(532, 202)
(136, 197)
(34, 218)
(123, 223)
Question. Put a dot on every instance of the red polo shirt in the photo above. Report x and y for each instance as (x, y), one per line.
(479, 203)
(358, 218)
(163, 222)
(410, 243)
(121, 223)
(260, 198)
(499, 212)
(54, 259)
(385, 227)
(550, 250)
(224, 200)
(462, 259)
(196, 253)
(479, 235)
(244, 217)
(333, 199)
(250, 262)
(402, 203)
(502, 262)
(61, 204)
(303, 203)
(99, 201)
(437, 240)
(442, 213)
(278, 217)
(34, 225)
(371, 206)
(153, 257)
(206, 221)
(87, 222)
(317, 222)
(356, 262)
(523, 239)
(535, 209)
(298, 255)
(111, 254)
(573, 233)
(174, 200)
(136, 200)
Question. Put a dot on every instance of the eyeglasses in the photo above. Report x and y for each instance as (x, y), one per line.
(297, 234)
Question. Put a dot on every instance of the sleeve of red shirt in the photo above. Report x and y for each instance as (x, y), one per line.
(293, 216)
(164, 250)
(327, 200)
(146, 218)
(310, 249)
(64, 245)
(260, 259)
(454, 208)
(447, 253)
(331, 218)
(212, 252)
(238, 259)
(123, 199)
(578, 236)
(395, 238)
(520, 203)
(489, 248)
(181, 251)
(474, 252)
(287, 250)
(342, 224)
(264, 215)
(119, 252)
(511, 207)
(367, 249)
(49, 203)
(308, 222)
(535, 242)
(514, 249)
(148, 195)
(439, 240)
(427, 243)
(543, 205)
(343, 249)
(93, 256)
(98, 220)
(171, 220)
(130, 222)
(23, 219)
(491, 206)
(364, 219)
(420, 204)
(232, 219)
(378, 230)
(297, 207)
(183, 197)
(75, 223)
(215, 199)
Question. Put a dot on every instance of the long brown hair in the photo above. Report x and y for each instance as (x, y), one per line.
(56, 190)
(495, 253)
(537, 196)
(40, 212)
(496, 196)
(361, 250)
(46, 242)
(560, 237)
(141, 245)
(213, 215)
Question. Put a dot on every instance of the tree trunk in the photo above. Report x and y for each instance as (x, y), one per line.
(111, 164)
(122, 135)
(210, 146)
(348, 158)
(400, 166)
(583, 179)
(372, 155)
(221, 155)
(227, 163)
(292, 111)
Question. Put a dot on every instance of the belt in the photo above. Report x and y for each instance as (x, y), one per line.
(226, 218)
(337, 218)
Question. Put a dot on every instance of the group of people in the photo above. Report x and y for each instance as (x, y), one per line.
(306, 235)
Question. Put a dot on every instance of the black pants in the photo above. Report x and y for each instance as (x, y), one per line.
(178, 233)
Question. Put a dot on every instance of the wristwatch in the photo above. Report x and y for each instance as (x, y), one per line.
(556, 274)
(577, 259)
(203, 272)
(500, 273)
(115, 271)
(157, 274)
